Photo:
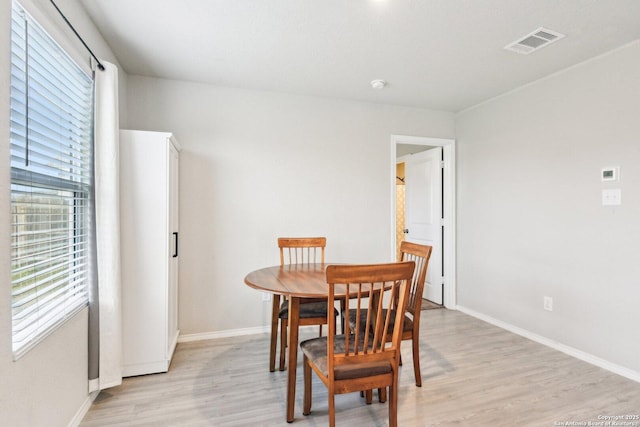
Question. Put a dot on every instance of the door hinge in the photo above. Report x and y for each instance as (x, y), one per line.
(442, 222)
(441, 164)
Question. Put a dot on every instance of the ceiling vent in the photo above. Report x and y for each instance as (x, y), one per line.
(536, 40)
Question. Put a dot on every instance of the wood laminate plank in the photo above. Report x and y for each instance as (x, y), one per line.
(473, 374)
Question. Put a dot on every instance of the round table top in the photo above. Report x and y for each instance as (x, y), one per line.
(297, 280)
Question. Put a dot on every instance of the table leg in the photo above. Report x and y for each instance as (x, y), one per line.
(275, 309)
(294, 320)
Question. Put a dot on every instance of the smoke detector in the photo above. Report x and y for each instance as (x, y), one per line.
(378, 84)
(534, 41)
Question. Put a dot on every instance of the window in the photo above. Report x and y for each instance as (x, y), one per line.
(51, 182)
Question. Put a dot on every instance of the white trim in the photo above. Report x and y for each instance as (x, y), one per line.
(82, 411)
(449, 191)
(578, 354)
(224, 334)
(172, 344)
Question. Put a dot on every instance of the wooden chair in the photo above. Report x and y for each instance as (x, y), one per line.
(420, 254)
(296, 250)
(357, 361)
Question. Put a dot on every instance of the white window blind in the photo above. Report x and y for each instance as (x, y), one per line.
(51, 178)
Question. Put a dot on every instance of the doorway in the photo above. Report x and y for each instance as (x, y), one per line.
(430, 198)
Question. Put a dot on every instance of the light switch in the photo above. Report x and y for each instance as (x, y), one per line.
(611, 197)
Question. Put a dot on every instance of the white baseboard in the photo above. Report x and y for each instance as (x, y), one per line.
(82, 411)
(578, 354)
(224, 334)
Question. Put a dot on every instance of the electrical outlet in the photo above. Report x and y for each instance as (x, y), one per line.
(266, 296)
(548, 303)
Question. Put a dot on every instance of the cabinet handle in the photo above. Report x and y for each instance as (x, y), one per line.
(175, 253)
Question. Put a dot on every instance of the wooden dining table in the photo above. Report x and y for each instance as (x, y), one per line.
(296, 282)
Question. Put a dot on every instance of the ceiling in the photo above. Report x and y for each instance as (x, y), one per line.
(438, 54)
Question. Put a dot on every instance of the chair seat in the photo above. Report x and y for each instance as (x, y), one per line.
(407, 325)
(307, 310)
(316, 350)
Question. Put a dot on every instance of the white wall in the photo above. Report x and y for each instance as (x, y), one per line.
(258, 165)
(531, 223)
(48, 385)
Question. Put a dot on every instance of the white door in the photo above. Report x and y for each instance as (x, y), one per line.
(423, 212)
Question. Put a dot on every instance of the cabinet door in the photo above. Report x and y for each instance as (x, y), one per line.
(143, 204)
(172, 318)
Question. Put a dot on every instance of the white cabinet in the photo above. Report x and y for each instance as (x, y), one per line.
(149, 249)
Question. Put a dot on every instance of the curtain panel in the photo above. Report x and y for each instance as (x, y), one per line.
(105, 320)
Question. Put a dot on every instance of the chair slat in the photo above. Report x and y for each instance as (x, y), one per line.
(295, 250)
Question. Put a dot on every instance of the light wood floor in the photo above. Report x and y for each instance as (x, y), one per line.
(474, 374)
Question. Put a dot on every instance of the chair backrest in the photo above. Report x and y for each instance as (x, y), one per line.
(301, 250)
(369, 287)
(420, 254)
